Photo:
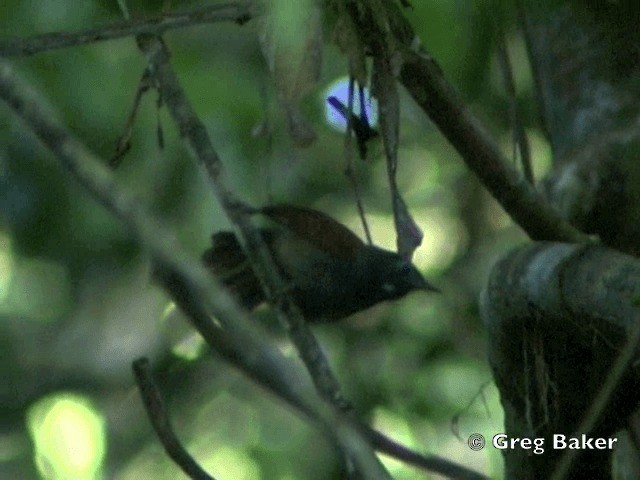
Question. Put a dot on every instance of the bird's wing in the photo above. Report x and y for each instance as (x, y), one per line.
(320, 230)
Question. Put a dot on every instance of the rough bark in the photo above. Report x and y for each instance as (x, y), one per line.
(558, 316)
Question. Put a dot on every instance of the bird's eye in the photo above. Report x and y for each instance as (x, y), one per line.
(388, 287)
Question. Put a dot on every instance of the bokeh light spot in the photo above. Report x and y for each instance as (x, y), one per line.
(32, 288)
(230, 462)
(398, 428)
(69, 437)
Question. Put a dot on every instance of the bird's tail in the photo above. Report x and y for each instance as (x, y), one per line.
(227, 261)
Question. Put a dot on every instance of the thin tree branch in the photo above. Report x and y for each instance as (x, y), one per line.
(432, 463)
(520, 140)
(425, 82)
(124, 143)
(157, 413)
(349, 170)
(239, 12)
(195, 135)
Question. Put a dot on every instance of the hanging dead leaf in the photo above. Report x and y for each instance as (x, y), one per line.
(346, 37)
(291, 42)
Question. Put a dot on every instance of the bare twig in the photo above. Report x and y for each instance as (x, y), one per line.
(432, 463)
(348, 155)
(157, 413)
(239, 12)
(455, 420)
(520, 140)
(124, 143)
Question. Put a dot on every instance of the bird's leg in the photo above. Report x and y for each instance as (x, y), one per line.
(282, 296)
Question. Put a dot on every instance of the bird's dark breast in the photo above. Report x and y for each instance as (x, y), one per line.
(318, 307)
(334, 290)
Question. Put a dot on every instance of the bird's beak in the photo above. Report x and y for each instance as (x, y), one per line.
(430, 288)
(419, 283)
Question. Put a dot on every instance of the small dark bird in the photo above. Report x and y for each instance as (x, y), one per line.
(331, 272)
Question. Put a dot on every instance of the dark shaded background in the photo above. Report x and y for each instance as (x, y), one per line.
(76, 302)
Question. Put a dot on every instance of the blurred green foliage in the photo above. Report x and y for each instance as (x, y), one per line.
(77, 303)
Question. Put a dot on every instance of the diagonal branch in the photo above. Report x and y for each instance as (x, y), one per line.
(195, 135)
(426, 83)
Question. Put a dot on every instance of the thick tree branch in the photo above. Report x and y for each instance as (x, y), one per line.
(563, 321)
(563, 327)
(239, 12)
(425, 82)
